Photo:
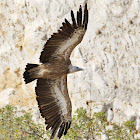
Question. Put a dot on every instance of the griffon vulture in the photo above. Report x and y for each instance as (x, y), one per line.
(51, 90)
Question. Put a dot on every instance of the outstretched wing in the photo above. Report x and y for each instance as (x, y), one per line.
(54, 104)
(67, 38)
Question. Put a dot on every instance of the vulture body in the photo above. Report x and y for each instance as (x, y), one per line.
(51, 90)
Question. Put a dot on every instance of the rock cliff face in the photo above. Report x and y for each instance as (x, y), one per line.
(109, 53)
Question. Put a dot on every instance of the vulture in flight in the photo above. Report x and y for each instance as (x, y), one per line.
(51, 89)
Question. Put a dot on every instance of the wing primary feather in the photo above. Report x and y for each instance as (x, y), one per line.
(61, 130)
(85, 21)
(65, 28)
(80, 16)
(55, 128)
(66, 128)
(69, 26)
(51, 122)
(69, 124)
(73, 20)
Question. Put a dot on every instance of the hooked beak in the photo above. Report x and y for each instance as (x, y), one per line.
(75, 69)
(80, 69)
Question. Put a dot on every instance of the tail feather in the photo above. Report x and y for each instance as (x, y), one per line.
(26, 75)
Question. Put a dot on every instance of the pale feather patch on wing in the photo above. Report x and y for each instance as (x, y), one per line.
(73, 41)
(61, 98)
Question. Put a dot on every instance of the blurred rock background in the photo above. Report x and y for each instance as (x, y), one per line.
(109, 54)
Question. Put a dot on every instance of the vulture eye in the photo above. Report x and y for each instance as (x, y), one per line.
(55, 57)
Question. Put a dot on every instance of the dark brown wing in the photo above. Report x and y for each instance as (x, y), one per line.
(54, 104)
(67, 38)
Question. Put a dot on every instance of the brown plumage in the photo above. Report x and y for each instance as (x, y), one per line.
(51, 90)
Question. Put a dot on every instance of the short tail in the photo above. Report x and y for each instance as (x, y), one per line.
(26, 75)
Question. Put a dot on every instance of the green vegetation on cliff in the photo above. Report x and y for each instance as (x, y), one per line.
(13, 127)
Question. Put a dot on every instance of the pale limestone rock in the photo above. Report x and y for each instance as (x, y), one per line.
(109, 53)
